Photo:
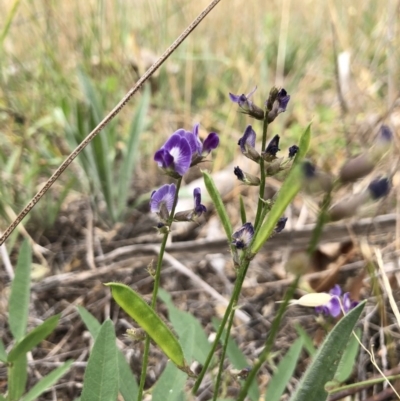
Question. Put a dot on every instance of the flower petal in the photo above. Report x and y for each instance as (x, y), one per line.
(210, 143)
(166, 195)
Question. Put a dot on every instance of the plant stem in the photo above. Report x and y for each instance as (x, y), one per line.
(223, 352)
(270, 339)
(260, 206)
(157, 277)
(232, 302)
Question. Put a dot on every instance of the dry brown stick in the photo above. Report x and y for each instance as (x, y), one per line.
(107, 119)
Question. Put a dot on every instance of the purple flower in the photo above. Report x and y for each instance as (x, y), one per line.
(276, 103)
(247, 143)
(162, 200)
(272, 149)
(175, 155)
(280, 225)
(243, 236)
(379, 188)
(199, 149)
(199, 209)
(348, 304)
(293, 151)
(247, 106)
(337, 302)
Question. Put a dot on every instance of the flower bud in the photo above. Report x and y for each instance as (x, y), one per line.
(247, 106)
(246, 178)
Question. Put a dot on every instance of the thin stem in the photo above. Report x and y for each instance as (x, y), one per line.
(223, 352)
(232, 302)
(107, 119)
(156, 285)
(270, 339)
(261, 205)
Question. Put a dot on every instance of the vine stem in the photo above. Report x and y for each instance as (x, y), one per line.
(107, 119)
(156, 286)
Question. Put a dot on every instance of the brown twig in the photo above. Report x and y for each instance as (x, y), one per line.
(107, 119)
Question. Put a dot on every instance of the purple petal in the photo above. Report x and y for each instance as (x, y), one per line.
(273, 147)
(197, 196)
(192, 141)
(210, 143)
(336, 290)
(236, 98)
(163, 158)
(334, 306)
(165, 194)
(243, 236)
(283, 100)
(248, 139)
(180, 150)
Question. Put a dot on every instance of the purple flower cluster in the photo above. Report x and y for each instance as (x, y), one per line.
(182, 150)
(337, 303)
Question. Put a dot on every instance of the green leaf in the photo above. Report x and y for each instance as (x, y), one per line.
(180, 321)
(3, 353)
(46, 382)
(170, 385)
(90, 321)
(101, 376)
(280, 379)
(127, 382)
(130, 153)
(307, 340)
(17, 375)
(218, 203)
(303, 145)
(237, 359)
(323, 367)
(33, 338)
(346, 364)
(19, 297)
(135, 306)
(288, 191)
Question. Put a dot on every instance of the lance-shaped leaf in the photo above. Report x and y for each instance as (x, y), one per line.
(137, 308)
(325, 362)
(218, 203)
(33, 338)
(46, 382)
(101, 375)
(19, 297)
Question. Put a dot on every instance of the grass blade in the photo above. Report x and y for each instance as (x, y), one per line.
(323, 367)
(101, 375)
(129, 158)
(33, 338)
(46, 382)
(280, 379)
(20, 291)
